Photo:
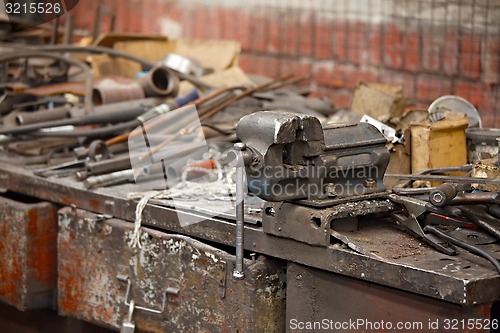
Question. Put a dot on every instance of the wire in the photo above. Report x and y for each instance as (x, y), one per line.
(471, 248)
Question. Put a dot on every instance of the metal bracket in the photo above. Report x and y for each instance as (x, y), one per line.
(169, 291)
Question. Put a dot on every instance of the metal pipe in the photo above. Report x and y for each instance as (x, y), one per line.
(160, 81)
(108, 166)
(238, 272)
(452, 179)
(108, 113)
(110, 178)
(25, 118)
(111, 91)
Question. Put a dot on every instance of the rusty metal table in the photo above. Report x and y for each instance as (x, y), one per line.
(394, 264)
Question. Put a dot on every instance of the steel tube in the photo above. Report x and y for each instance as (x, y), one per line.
(26, 118)
(160, 81)
(240, 214)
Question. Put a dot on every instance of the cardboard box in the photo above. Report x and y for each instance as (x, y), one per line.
(379, 101)
(439, 144)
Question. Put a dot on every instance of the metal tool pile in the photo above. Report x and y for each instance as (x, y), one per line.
(442, 215)
(55, 113)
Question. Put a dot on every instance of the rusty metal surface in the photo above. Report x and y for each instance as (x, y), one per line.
(312, 225)
(93, 252)
(28, 267)
(112, 90)
(315, 296)
(416, 277)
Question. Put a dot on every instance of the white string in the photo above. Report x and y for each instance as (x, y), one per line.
(223, 188)
(136, 236)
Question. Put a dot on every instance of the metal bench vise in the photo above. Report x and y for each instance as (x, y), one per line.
(306, 171)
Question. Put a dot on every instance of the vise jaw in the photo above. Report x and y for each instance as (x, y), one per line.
(294, 157)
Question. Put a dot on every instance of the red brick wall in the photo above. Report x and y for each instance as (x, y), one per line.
(427, 57)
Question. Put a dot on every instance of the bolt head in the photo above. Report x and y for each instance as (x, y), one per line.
(437, 197)
(370, 183)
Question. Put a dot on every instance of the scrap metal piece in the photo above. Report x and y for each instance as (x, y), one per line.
(182, 64)
(457, 104)
(387, 131)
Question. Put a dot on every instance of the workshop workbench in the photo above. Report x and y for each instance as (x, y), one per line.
(394, 278)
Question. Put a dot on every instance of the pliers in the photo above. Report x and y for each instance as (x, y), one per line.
(419, 212)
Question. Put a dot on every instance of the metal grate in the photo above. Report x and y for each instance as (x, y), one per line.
(430, 47)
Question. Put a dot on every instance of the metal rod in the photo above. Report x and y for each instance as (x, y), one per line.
(68, 29)
(212, 112)
(54, 35)
(152, 125)
(247, 92)
(97, 24)
(498, 156)
(468, 180)
(238, 272)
